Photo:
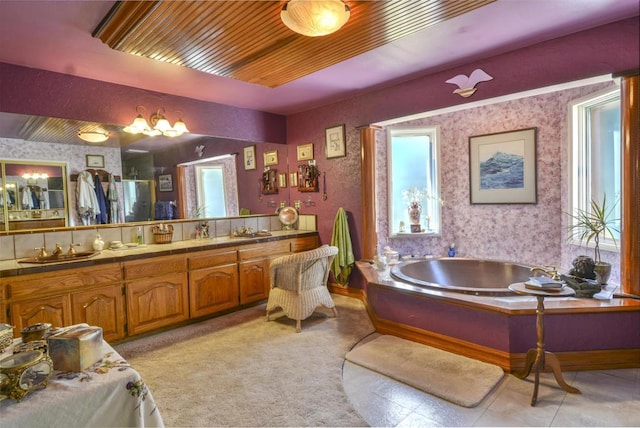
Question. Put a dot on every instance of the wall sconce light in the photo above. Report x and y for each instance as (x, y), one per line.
(315, 18)
(160, 125)
(94, 136)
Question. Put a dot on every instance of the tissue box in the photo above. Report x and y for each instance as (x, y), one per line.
(76, 349)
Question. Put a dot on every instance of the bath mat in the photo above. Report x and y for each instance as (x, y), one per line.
(461, 380)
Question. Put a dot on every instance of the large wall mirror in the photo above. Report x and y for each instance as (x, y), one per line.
(139, 162)
(34, 195)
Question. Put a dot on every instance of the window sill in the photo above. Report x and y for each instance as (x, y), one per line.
(430, 233)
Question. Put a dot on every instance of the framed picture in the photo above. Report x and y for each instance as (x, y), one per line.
(282, 180)
(95, 161)
(250, 157)
(502, 168)
(271, 158)
(305, 151)
(293, 179)
(334, 138)
(165, 183)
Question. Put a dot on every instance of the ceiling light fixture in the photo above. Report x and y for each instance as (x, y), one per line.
(93, 136)
(315, 18)
(160, 125)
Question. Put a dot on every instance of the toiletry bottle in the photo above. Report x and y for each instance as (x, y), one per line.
(452, 250)
(98, 243)
(139, 238)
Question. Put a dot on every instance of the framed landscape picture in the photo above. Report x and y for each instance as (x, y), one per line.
(502, 168)
(165, 183)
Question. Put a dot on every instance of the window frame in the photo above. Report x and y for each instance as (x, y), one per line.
(435, 204)
(580, 159)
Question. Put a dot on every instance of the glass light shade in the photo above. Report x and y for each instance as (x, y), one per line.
(35, 176)
(138, 125)
(93, 136)
(151, 132)
(315, 18)
(162, 124)
(180, 127)
(171, 132)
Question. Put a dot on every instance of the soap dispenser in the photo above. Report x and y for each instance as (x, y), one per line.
(98, 243)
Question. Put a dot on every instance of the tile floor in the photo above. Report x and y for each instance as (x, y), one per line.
(608, 398)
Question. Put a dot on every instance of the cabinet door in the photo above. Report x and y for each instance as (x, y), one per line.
(157, 302)
(213, 289)
(102, 307)
(254, 280)
(55, 310)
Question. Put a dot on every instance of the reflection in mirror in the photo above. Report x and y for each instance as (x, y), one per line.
(34, 195)
(211, 187)
(139, 199)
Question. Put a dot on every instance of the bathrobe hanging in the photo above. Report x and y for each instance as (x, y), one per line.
(27, 199)
(101, 216)
(87, 202)
(112, 196)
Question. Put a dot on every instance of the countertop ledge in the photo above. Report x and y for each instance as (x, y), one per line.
(9, 268)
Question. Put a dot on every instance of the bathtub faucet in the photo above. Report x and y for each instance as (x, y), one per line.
(549, 270)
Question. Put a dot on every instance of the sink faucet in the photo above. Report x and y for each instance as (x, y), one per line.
(57, 251)
(42, 253)
(548, 270)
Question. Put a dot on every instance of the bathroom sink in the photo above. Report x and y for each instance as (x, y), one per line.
(80, 255)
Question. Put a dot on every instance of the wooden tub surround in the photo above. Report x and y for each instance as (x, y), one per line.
(585, 334)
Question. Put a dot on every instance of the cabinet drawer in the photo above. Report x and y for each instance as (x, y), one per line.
(43, 284)
(263, 250)
(212, 258)
(155, 266)
(304, 243)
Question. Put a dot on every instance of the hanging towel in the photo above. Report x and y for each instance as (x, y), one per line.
(101, 216)
(112, 195)
(87, 203)
(343, 262)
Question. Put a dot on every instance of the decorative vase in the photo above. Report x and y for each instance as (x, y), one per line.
(415, 211)
(603, 271)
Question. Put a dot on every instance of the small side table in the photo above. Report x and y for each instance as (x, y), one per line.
(538, 357)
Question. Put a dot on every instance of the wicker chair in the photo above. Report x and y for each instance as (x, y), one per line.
(299, 283)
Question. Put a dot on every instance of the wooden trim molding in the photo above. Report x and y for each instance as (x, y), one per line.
(368, 189)
(630, 233)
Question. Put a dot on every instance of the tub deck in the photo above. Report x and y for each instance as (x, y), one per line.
(585, 334)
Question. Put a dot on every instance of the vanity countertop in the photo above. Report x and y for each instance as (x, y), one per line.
(13, 267)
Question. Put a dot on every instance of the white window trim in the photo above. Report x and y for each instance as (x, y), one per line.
(434, 133)
(579, 157)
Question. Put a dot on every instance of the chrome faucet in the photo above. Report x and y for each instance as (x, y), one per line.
(548, 270)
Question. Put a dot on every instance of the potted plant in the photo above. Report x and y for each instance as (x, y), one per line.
(592, 225)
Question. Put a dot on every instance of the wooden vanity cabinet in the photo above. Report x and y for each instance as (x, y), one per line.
(254, 268)
(157, 292)
(92, 295)
(213, 281)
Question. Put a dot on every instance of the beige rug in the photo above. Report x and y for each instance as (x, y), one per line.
(461, 380)
(239, 370)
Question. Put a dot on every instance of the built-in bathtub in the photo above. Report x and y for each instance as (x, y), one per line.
(460, 275)
(495, 326)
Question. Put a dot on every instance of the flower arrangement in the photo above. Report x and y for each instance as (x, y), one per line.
(418, 194)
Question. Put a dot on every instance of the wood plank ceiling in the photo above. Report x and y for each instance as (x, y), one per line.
(246, 41)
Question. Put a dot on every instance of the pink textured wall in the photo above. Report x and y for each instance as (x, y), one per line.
(43, 93)
(599, 51)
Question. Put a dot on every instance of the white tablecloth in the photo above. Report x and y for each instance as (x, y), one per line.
(108, 394)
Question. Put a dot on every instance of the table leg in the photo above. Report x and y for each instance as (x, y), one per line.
(554, 364)
(531, 357)
(541, 359)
